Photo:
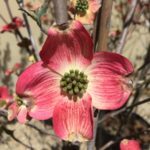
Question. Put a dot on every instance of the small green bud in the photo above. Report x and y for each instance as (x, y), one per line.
(76, 72)
(68, 79)
(69, 86)
(65, 89)
(66, 74)
(71, 92)
(72, 75)
(62, 83)
(74, 82)
(82, 80)
(81, 74)
(80, 85)
(82, 91)
(71, 71)
(85, 86)
(76, 90)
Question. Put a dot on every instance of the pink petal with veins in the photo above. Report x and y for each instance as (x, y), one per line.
(72, 121)
(108, 86)
(40, 88)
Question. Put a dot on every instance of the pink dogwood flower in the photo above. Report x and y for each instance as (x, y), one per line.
(129, 145)
(6, 101)
(16, 66)
(5, 97)
(85, 10)
(18, 109)
(16, 23)
(70, 80)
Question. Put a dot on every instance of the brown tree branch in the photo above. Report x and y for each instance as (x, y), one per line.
(60, 8)
(104, 25)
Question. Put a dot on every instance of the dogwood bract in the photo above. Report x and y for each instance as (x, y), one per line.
(5, 97)
(70, 80)
(126, 144)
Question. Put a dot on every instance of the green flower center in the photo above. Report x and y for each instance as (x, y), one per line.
(2, 102)
(81, 6)
(74, 83)
(23, 100)
(19, 100)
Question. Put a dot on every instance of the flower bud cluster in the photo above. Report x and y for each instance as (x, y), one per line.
(81, 6)
(74, 83)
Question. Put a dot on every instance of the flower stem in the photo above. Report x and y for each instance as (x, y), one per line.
(60, 8)
(34, 47)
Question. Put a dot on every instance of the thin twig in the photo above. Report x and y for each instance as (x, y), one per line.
(127, 24)
(40, 130)
(38, 23)
(9, 10)
(4, 20)
(34, 47)
(10, 133)
(110, 143)
(17, 32)
(115, 113)
(143, 72)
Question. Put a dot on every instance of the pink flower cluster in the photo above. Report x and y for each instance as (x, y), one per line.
(15, 24)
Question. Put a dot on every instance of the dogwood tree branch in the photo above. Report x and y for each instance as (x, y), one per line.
(18, 35)
(34, 47)
(115, 113)
(110, 143)
(60, 8)
(9, 10)
(3, 19)
(127, 24)
(103, 25)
